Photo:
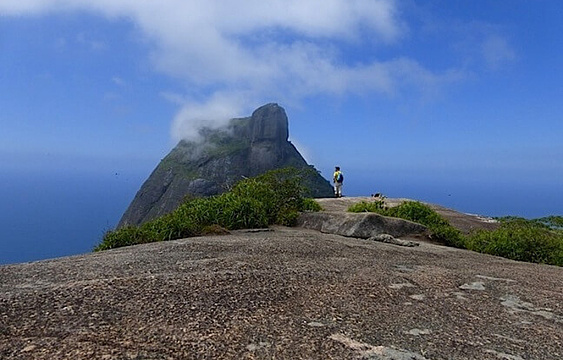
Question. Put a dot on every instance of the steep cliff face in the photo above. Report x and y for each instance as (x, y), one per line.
(247, 147)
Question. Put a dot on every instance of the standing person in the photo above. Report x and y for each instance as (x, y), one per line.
(338, 179)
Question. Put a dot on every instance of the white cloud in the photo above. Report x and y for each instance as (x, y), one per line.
(482, 44)
(213, 112)
(497, 51)
(239, 54)
(83, 40)
(118, 81)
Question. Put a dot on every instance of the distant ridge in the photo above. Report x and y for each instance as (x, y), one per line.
(248, 147)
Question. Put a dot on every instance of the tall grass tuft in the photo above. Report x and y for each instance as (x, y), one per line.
(364, 206)
(276, 197)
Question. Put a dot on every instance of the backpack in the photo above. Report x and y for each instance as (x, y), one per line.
(339, 178)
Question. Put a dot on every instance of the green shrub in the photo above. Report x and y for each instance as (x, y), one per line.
(171, 226)
(214, 230)
(364, 206)
(275, 197)
(537, 240)
(311, 205)
(417, 212)
(237, 212)
(288, 218)
(126, 236)
(554, 222)
(282, 191)
(523, 240)
(447, 235)
(440, 228)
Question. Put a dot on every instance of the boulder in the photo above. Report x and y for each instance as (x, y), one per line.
(359, 225)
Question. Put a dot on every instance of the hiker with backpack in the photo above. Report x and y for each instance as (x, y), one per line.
(338, 179)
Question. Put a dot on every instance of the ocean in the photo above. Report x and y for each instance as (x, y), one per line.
(47, 215)
(488, 195)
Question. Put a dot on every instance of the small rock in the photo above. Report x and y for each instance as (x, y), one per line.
(382, 238)
(479, 285)
(260, 345)
(29, 348)
(460, 296)
(417, 332)
(316, 324)
(388, 239)
(400, 286)
(501, 355)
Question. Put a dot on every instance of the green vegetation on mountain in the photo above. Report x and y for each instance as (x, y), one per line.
(275, 197)
(536, 240)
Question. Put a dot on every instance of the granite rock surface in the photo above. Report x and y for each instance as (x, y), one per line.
(283, 293)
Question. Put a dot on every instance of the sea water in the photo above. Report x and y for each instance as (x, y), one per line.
(528, 199)
(46, 215)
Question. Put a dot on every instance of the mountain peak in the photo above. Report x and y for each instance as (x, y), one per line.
(252, 146)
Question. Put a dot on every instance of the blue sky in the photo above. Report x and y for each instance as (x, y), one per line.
(433, 84)
(395, 92)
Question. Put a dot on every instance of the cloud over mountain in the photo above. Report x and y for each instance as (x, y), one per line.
(233, 55)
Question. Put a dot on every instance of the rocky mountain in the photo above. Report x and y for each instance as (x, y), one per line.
(247, 147)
